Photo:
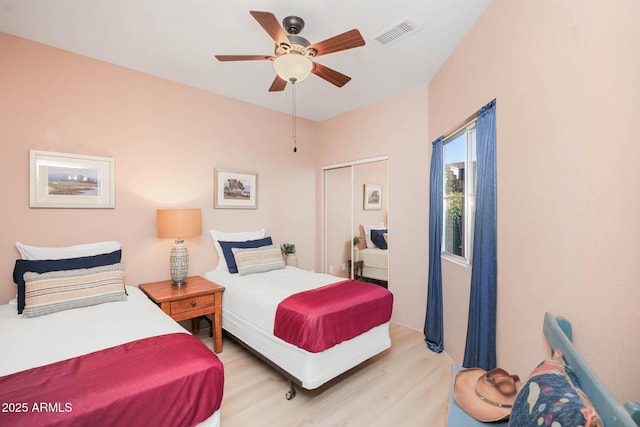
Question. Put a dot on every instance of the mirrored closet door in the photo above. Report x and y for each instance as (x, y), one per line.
(356, 220)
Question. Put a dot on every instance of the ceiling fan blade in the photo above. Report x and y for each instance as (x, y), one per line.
(330, 75)
(242, 57)
(343, 41)
(271, 25)
(278, 84)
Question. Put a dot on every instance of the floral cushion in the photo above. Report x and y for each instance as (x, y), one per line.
(551, 397)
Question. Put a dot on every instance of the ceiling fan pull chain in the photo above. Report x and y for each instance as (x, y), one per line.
(293, 115)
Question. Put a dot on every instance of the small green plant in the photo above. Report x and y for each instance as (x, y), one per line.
(288, 248)
(356, 240)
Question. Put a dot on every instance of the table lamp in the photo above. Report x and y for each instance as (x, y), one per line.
(178, 224)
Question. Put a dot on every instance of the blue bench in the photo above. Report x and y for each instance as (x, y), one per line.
(558, 332)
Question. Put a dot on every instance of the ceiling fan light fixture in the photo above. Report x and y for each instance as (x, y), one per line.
(293, 67)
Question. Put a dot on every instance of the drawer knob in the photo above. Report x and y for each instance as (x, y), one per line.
(193, 303)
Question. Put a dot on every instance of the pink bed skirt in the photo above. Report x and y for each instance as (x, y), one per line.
(318, 319)
(168, 380)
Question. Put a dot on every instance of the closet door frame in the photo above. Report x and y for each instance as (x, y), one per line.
(325, 237)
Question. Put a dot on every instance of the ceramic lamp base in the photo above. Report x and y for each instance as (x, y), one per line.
(179, 263)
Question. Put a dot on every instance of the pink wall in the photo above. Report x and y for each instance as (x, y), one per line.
(166, 140)
(398, 128)
(565, 75)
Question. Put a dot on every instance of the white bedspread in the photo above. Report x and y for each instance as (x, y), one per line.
(31, 342)
(255, 297)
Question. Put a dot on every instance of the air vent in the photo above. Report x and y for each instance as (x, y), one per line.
(397, 32)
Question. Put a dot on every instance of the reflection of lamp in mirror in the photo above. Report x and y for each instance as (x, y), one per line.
(178, 224)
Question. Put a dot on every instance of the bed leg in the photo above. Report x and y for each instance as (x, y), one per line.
(209, 321)
(292, 391)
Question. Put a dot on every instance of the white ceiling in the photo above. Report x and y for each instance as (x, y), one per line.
(177, 40)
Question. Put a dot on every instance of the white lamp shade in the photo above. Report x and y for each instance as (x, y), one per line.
(292, 66)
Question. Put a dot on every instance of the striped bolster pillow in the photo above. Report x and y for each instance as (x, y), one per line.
(258, 260)
(54, 291)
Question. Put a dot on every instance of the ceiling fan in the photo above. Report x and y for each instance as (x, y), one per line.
(292, 54)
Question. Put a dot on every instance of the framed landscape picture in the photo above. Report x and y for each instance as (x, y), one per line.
(62, 180)
(372, 196)
(235, 190)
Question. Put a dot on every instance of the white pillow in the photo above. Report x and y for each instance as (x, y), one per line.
(367, 233)
(36, 253)
(242, 236)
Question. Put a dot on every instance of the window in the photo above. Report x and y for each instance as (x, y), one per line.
(459, 156)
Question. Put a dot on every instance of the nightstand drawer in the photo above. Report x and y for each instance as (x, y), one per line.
(199, 297)
(191, 304)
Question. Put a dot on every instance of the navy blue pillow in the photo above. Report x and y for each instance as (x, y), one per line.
(377, 237)
(228, 253)
(47, 265)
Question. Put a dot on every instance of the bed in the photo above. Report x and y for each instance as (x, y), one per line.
(248, 313)
(120, 362)
(255, 289)
(582, 381)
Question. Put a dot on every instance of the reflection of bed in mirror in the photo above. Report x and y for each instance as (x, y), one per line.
(375, 263)
(375, 256)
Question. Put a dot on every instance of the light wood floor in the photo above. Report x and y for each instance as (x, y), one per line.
(407, 385)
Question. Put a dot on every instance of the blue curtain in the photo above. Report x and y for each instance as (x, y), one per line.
(433, 322)
(480, 350)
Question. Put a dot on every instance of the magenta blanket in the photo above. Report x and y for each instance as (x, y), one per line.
(168, 380)
(318, 319)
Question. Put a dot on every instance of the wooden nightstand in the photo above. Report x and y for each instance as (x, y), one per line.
(198, 297)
